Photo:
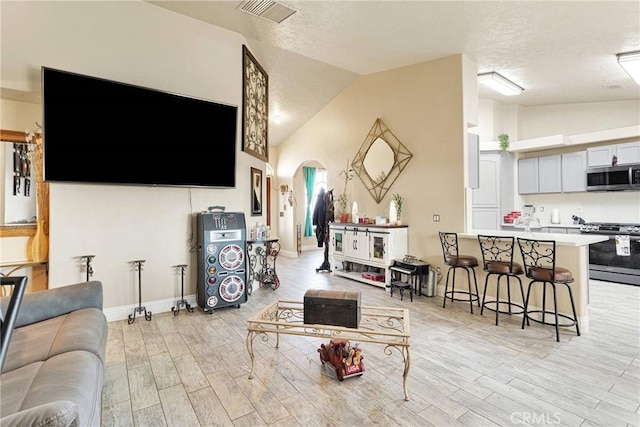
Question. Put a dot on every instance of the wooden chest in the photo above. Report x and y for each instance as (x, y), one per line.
(336, 308)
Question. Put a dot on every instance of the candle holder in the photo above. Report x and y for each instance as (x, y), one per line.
(182, 302)
(137, 265)
(86, 261)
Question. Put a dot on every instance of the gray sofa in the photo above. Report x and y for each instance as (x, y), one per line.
(54, 367)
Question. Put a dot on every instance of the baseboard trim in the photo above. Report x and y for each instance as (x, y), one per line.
(159, 306)
(288, 254)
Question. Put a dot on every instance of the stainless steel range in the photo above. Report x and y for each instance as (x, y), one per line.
(616, 259)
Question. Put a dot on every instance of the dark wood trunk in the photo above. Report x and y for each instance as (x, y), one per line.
(336, 308)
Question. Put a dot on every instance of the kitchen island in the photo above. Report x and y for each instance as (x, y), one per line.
(572, 253)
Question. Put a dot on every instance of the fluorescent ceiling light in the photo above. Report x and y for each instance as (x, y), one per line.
(500, 84)
(630, 61)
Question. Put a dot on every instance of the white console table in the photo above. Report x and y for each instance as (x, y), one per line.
(366, 244)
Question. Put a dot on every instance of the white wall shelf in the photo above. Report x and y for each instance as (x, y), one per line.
(559, 141)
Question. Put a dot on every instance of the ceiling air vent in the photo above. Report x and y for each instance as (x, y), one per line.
(267, 9)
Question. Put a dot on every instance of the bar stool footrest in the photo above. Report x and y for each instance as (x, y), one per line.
(507, 303)
(451, 295)
(572, 321)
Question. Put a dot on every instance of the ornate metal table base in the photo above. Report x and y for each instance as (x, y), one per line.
(378, 325)
(262, 263)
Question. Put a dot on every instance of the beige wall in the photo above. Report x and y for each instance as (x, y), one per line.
(423, 106)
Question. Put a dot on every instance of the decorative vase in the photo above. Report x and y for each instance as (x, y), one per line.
(38, 244)
(393, 212)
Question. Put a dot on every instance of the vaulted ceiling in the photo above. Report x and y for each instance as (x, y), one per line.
(559, 51)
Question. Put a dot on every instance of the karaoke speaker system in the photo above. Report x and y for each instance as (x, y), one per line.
(222, 271)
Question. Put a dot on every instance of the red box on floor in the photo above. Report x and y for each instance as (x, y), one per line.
(378, 277)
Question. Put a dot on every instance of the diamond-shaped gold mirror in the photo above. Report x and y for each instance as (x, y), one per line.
(380, 160)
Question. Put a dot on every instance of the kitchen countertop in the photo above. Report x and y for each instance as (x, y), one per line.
(561, 239)
(545, 225)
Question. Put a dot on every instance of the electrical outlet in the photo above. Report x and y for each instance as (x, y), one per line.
(436, 218)
(281, 214)
(579, 208)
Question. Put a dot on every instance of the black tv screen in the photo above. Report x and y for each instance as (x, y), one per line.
(101, 131)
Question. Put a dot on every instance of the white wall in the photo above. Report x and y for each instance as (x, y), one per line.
(612, 206)
(138, 43)
(572, 119)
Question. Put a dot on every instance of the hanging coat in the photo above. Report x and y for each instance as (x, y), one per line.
(319, 217)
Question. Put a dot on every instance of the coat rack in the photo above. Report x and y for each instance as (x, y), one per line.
(324, 215)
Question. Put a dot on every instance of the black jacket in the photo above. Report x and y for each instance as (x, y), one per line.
(319, 217)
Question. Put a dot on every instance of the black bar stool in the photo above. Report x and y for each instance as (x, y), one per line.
(456, 261)
(539, 257)
(497, 259)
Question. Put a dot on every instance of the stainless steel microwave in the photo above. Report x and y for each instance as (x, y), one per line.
(614, 178)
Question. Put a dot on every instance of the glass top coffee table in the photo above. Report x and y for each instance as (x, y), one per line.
(378, 325)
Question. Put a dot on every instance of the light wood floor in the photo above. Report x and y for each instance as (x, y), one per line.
(192, 369)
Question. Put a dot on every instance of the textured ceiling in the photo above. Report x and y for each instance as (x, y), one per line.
(559, 51)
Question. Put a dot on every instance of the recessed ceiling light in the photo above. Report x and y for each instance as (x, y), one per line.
(500, 83)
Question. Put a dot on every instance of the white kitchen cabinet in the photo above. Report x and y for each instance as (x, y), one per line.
(528, 176)
(574, 175)
(553, 174)
(600, 156)
(626, 153)
(354, 247)
(494, 195)
(487, 194)
(486, 219)
(550, 174)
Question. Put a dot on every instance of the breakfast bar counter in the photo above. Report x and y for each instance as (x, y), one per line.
(572, 253)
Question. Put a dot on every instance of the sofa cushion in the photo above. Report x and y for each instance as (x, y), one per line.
(84, 329)
(75, 376)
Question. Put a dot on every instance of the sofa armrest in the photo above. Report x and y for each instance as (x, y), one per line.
(55, 302)
(61, 413)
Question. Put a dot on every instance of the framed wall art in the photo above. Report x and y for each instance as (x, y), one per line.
(255, 107)
(256, 192)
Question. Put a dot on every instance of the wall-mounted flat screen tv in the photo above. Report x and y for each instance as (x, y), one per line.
(102, 131)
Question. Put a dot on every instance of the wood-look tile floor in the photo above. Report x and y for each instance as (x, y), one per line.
(192, 369)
